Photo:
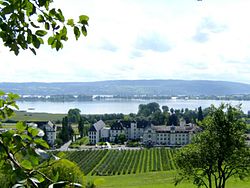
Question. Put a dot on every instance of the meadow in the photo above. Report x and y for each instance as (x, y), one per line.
(162, 179)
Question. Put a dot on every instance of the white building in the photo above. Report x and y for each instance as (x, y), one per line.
(105, 134)
(95, 132)
(169, 135)
(49, 129)
(116, 130)
(145, 132)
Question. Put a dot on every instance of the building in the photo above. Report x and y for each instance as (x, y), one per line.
(95, 132)
(105, 134)
(117, 129)
(145, 132)
(169, 135)
(49, 129)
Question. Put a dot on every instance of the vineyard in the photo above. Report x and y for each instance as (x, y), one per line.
(116, 162)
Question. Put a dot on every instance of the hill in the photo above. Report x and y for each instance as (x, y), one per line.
(129, 87)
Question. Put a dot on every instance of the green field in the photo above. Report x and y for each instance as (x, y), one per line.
(164, 179)
(28, 116)
(116, 162)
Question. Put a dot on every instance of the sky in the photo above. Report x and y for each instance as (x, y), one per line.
(143, 39)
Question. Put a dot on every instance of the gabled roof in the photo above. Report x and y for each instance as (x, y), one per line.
(143, 123)
(126, 124)
(117, 126)
(92, 129)
(97, 126)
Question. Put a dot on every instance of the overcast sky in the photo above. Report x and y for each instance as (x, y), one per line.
(144, 39)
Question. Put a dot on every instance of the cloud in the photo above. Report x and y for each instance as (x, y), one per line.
(109, 46)
(152, 41)
(201, 37)
(207, 27)
(136, 54)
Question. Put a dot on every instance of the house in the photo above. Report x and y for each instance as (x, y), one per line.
(116, 129)
(105, 134)
(49, 129)
(95, 132)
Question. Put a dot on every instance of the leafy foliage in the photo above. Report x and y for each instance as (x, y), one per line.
(219, 152)
(25, 24)
(67, 131)
(81, 127)
(21, 154)
(74, 115)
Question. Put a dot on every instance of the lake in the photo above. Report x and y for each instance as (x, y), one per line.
(119, 106)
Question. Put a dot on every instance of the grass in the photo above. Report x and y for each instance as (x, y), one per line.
(163, 179)
(27, 116)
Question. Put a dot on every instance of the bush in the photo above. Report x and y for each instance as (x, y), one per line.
(132, 144)
(65, 170)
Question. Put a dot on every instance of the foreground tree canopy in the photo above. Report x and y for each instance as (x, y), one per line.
(25, 24)
(219, 152)
(23, 162)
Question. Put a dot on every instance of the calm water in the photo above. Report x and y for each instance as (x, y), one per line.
(120, 106)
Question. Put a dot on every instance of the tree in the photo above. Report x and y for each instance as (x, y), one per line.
(81, 127)
(148, 109)
(67, 132)
(74, 115)
(165, 108)
(121, 138)
(173, 120)
(24, 24)
(218, 152)
(200, 114)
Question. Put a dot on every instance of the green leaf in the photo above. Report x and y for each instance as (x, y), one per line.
(13, 96)
(83, 18)
(70, 22)
(52, 12)
(40, 18)
(21, 126)
(35, 41)
(33, 50)
(26, 137)
(30, 8)
(33, 131)
(60, 16)
(34, 160)
(41, 33)
(35, 26)
(41, 40)
(64, 31)
(84, 31)
(47, 26)
(51, 40)
(58, 45)
(26, 164)
(77, 32)
(56, 177)
(41, 142)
